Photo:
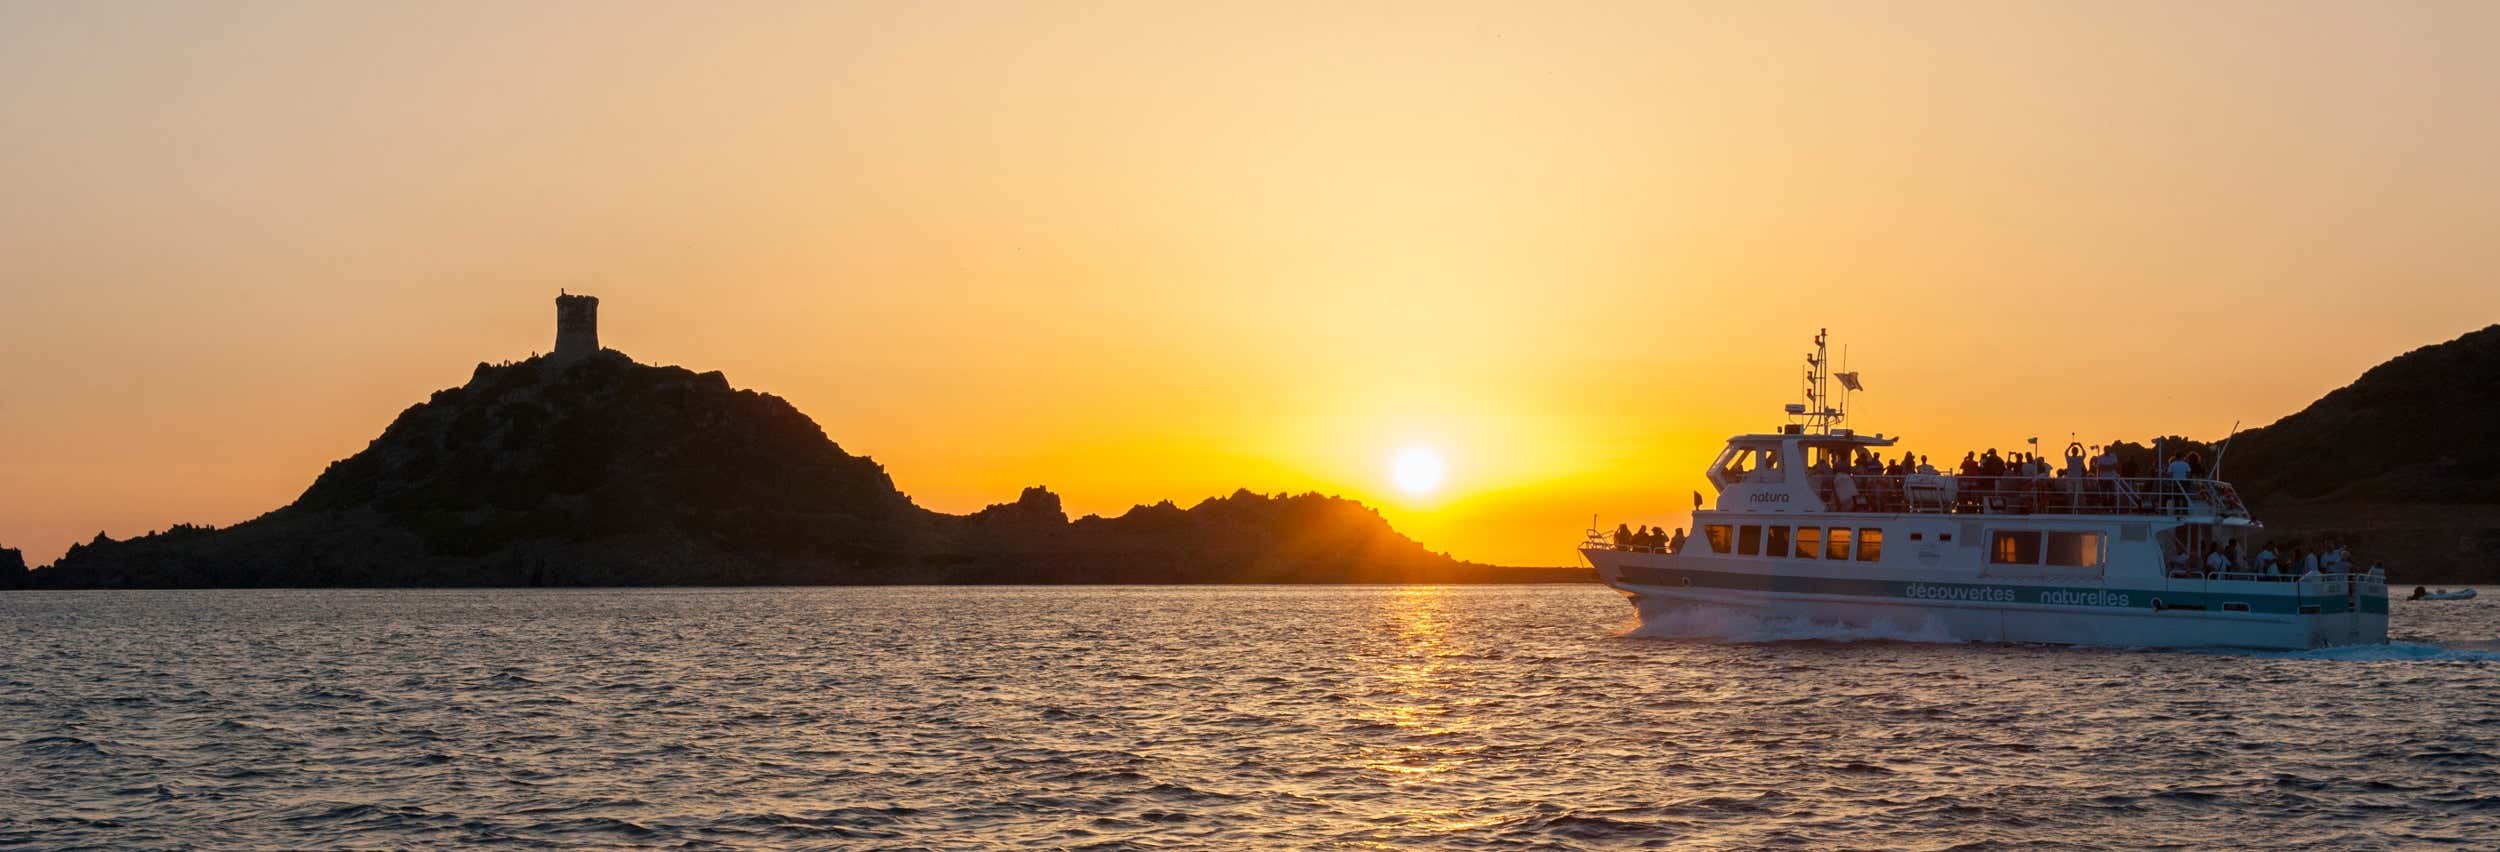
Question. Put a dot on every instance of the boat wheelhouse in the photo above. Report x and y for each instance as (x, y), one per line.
(1804, 527)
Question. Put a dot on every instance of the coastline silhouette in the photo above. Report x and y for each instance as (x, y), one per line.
(582, 467)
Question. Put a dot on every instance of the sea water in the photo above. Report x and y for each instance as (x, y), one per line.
(1522, 717)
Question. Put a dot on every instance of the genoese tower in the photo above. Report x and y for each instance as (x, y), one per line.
(577, 327)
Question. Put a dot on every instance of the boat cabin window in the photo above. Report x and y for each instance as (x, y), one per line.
(1757, 463)
(2028, 547)
(1870, 544)
(1749, 540)
(2075, 549)
(1718, 535)
(2014, 547)
(1809, 542)
(1837, 547)
(1775, 541)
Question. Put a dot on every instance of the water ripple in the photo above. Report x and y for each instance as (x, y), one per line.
(1133, 717)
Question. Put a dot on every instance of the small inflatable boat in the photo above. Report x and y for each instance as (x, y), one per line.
(2443, 595)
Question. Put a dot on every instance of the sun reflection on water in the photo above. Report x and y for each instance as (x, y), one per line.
(1415, 692)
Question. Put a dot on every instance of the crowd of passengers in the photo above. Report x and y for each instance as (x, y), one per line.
(1868, 482)
(1993, 464)
(2298, 561)
(1627, 538)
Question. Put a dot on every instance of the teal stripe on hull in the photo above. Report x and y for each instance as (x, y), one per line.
(1999, 593)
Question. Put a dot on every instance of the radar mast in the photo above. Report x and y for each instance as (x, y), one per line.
(1818, 415)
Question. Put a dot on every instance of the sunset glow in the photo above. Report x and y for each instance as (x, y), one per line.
(1143, 251)
(1418, 470)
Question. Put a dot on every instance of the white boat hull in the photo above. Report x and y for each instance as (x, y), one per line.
(2281, 615)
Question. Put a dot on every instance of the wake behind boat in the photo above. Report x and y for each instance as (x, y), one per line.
(1808, 524)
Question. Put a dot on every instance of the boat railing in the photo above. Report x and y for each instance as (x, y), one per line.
(2333, 581)
(2015, 494)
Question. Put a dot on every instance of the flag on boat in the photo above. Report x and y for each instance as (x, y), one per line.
(1849, 380)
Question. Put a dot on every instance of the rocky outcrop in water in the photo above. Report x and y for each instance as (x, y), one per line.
(602, 471)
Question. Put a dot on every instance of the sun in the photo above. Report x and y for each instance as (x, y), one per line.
(1417, 470)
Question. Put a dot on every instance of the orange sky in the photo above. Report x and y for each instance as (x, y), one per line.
(1138, 251)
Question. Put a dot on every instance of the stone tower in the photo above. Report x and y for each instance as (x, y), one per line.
(577, 327)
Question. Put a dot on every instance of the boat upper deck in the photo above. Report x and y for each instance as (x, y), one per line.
(2027, 495)
(1814, 464)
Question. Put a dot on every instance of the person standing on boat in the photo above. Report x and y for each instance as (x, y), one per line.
(1623, 536)
(2105, 467)
(2266, 560)
(1676, 544)
(2308, 561)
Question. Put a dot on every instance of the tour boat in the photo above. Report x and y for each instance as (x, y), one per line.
(2086, 557)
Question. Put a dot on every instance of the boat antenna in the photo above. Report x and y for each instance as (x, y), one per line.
(2224, 450)
(1818, 416)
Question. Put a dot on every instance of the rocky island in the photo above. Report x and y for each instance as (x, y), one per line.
(585, 468)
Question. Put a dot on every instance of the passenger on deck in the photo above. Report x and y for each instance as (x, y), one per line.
(2196, 466)
(2105, 465)
(1970, 464)
(1925, 469)
(2308, 561)
(2178, 467)
(2266, 560)
(1676, 544)
(1640, 537)
(1623, 536)
(2216, 562)
(1991, 464)
(1845, 492)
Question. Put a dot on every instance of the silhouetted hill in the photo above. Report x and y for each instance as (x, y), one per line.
(1243, 538)
(2423, 427)
(602, 471)
(2402, 465)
